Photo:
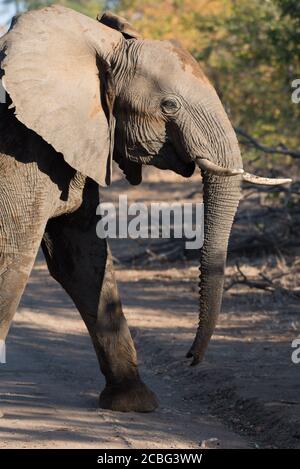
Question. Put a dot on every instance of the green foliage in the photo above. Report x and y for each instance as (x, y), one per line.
(253, 55)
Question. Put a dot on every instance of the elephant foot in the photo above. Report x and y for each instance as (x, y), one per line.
(130, 397)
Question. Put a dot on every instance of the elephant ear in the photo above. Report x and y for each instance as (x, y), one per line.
(132, 170)
(57, 73)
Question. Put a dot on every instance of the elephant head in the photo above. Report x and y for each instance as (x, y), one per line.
(97, 91)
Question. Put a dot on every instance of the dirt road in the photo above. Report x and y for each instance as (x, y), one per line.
(245, 394)
(50, 385)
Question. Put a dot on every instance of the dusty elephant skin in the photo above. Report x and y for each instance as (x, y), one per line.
(79, 94)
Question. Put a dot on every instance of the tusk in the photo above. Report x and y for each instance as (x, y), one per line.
(207, 165)
(265, 181)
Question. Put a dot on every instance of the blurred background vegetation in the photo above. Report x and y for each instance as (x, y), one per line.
(250, 51)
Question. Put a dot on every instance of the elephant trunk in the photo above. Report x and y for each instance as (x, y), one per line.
(221, 196)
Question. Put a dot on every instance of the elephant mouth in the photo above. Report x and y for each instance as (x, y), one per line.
(169, 158)
(162, 155)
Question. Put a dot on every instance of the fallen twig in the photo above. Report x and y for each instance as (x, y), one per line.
(266, 283)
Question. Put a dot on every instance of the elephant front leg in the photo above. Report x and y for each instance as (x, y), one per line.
(114, 346)
(82, 264)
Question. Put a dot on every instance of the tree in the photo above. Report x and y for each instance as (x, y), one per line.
(253, 54)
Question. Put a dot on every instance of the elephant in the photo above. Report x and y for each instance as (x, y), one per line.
(81, 93)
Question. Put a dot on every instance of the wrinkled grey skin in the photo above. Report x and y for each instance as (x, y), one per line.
(82, 93)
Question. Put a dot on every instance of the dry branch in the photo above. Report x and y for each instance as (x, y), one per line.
(253, 142)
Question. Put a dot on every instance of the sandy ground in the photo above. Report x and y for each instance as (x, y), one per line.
(245, 394)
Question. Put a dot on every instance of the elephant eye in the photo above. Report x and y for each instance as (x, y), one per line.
(170, 105)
